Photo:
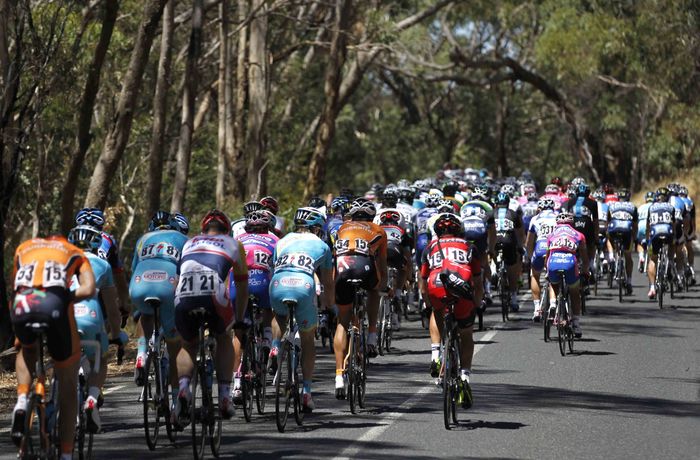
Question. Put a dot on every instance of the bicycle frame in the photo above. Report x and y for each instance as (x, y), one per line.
(291, 390)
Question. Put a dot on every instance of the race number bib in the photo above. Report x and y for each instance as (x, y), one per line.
(660, 218)
(160, 250)
(194, 284)
(296, 260)
(343, 245)
(504, 225)
(262, 258)
(25, 275)
(456, 255)
(54, 274)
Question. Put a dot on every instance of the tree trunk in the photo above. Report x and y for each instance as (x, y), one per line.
(119, 133)
(87, 105)
(331, 106)
(237, 161)
(223, 102)
(501, 130)
(160, 104)
(258, 74)
(184, 150)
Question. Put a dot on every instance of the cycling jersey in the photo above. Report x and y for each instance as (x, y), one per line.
(205, 265)
(43, 270)
(611, 198)
(585, 211)
(154, 274)
(360, 238)
(238, 227)
(529, 211)
(602, 217)
(109, 250)
(259, 249)
(541, 226)
(88, 312)
(660, 222)
(642, 214)
(332, 225)
(423, 232)
(507, 222)
(296, 258)
(477, 216)
(562, 246)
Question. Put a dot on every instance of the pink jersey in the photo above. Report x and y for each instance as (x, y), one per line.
(522, 200)
(558, 199)
(564, 239)
(259, 248)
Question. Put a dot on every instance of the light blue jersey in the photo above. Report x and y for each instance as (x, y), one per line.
(154, 274)
(642, 214)
(302, 253)
(88, 312)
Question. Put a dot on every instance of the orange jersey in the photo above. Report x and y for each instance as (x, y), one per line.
(47, 262)
(365, 238)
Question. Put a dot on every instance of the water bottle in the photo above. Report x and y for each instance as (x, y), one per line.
(297, 347)
(210, 373)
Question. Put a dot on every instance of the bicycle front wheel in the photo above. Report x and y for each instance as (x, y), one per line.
(448, 384)
(32, 443)
(283, 396)
(260, 381)
(352, 372)
(247, 378)
(151, 400)
(198, 420)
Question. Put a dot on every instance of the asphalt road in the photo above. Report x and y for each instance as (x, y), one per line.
(630, 390)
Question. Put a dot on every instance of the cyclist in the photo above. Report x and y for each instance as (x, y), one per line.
(297, 257)
(509, 239)
(530, 208)
(182, 222)
(541, 226)
(336, 217)
(642, 214)
(564, 245)
(622, 225)
(361, 253)
(405, 202)
(585, 211)
(554, 192)
(602, 243)
(271, 205)
(154, 268)
(109, 250)
(610, 195)
(259, 245)
(690, 230)
(89, 318)
(480, 230)
(238, 226)
(205, 265)
(43, 269)
(661, 221)
(450, 253)
(682, 224)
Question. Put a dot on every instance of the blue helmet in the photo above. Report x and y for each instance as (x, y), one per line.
(94, 217)
(162, 220)
(182, 222)
(309, 217)
(340, 204)
(85, 237)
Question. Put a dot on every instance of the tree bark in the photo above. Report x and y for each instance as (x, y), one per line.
(184, 150)
(258, 75)
(224, 101)
(331, 106)
(160, 112)
(120, 130)
(87, 105)
(237, 161)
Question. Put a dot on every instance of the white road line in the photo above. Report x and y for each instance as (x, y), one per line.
(388, 419)
(5, 430)
(113, 389)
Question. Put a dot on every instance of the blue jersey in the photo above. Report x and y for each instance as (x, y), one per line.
(420, 220)
(621, 216)
(160, 246)
(88, 312)
(529, 211)
(679, 205)
(332, 225)
(302, 253)
(661, 219)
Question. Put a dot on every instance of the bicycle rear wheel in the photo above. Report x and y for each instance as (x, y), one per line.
(215, 424)
(297, 388)
(198, 410)
(562, 320)
(363, 360)
(247, 379)
(381, 327)
(448, 384)
(32, 443)
(151, 400)
(620, 271)
(283, 395)
(260, 382)
(504, 295)
(352, 372)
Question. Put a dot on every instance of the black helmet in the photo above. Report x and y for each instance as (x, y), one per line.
(448, 224)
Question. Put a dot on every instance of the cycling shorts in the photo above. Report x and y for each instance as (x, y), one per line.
(422, 241)
(679, 233)
(49, 306)
(395, 256)
(354, 267)
(585, 226)
(478, 240)
(562, 261)
(300, 288)
(464, 310)
(510, 252)
(657, 241)
(219, 316)
(159, 281)
(258, 287)
(537, 260)
(624, 238)
(91, 325)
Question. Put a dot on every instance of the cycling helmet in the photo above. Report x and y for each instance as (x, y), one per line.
(683, 191)
(339, 204)
(649, 197)
(162, 220)
(262, 218)
(316, 202)
(528, 188)
(251, 206)
(85, 237)
(270, 204)
(182, 223)
(502, 199)
(377, 189)
(445, 206)
(576, 181)
(556, 180)
(93, 217)
(552, 188)
(672, 188)
(608, 189)
(390, 196)
(598, 195)
(480, 193)
(432, 200)
(532, 196)
(662, 195)
(406, 194)
(545, 203)
(403, 183)
(565, 217)
(582, 190)
(218, 219)
(448, 224)
(508, 189)
(309, 217)
(362, 209)
(347, 193)
(391, 217)
(450, 188)
(623, 194)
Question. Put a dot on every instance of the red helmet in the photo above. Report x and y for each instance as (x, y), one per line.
(448, 224)
(270, 204)
(216, 217)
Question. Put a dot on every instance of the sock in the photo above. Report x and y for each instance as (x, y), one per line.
(21, 402)
(537, 304)
(184, 384)
(307, 386)
(338, 372)
(141, 347)
(237, 380)
(276, 343)
(267, 334)
(434, 351)
(464, 373)
(372, 338)
(224, 389)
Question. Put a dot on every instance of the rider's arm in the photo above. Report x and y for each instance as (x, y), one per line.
(583, 253)
(109, 299)
(328, 295)
(381, 262)
(239, 272)
(86, 279)
(530, 243)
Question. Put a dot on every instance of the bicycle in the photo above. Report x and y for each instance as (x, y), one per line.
(620, 269)
(503, 287)
(207, 414)
(287, 387)
(253, 363)
(356, 360)
(40, 438)
(661, 282)
(83, 435)
(548, 311)
(563, 317)
(387, 308)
